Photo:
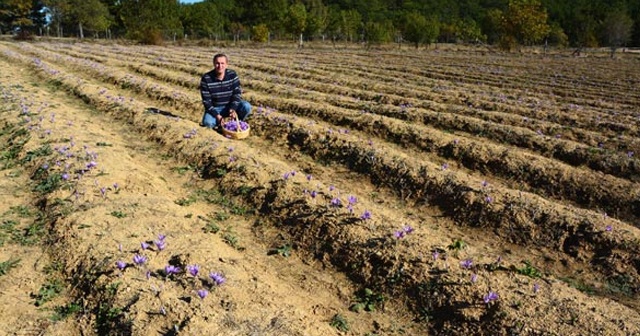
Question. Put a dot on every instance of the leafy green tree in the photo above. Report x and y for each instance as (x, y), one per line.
(526, 21)
(91, 14)
(57, 11)
(344, 24)
(420, 30)
(617, 29)
(202, 19)
(296, 20)
(150, 21)
(260, 33)
(16, 13)
(317, 18)
(378, 32)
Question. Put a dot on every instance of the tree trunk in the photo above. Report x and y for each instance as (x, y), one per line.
(80, 30)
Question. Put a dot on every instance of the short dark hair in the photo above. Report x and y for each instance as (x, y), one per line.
(216, 56)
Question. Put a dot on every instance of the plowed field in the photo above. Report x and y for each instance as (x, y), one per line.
(381, 192)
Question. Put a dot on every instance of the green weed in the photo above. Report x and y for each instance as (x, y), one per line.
(283, 250)
(366, 300)
(43, 151)
(118, 214)
(6, 266)
(62, 312)
(186, 201)
(231, 239)
(48, 291)
(339, 322)
(529, 270)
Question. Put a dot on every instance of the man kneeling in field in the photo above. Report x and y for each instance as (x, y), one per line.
(222, 94)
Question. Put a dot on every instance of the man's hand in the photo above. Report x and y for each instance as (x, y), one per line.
(233, 114)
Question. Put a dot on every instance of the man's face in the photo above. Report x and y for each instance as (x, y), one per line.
(220, 65)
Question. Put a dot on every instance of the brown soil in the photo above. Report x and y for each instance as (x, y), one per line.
(508, 189)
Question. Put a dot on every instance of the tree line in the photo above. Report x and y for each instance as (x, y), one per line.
(507, 23)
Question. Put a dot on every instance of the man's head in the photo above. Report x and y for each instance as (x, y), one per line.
(220, 64)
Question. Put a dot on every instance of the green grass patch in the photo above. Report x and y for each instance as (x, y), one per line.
(6, 266)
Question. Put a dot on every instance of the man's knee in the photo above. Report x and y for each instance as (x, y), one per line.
(244, 110)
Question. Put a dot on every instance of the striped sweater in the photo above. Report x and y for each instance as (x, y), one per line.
(220, 93)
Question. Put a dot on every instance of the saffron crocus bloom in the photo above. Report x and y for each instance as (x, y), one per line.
(170, 270)
(609, 228)
(366, 215)
(218, 279)
(336, 202)
(161, 237)
(160, 244)
(536, 288)
(491, 296)
(139, 259)
(435, 255)
(121, 265)
(309, 177)
(399, 234)
(65, 177)
(407, 229)
(144, 245)
(202, 293)
(313, 194)
(466, 264)
(193, 270)
(352, 200)
(91, 164)
(474, 277)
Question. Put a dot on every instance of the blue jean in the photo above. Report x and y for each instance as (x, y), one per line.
(243, 111)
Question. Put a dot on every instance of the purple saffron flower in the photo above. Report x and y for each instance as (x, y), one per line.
(170, 270)
(202, 293)
(488, 199)
(485, 184)
(139, 259)
(65, 177)
(609, 228)
(466, 264)
(193, 270)
(474, 278)
(630, 154)
(103, 191)
(115, 186)
(331, 188)
(91, 164)
(121, 265)
(286, 176)
(45, 166)
(366, 215)
(160, 244)
(399, 234)
(161, 237)
(309, 177)
(218, 279)
(313, 194)
(491, 296)
(407, 229)
(144, 245)
(352, 200)
(336, 202)
(435, 255)
(445, 166)
(536, 288)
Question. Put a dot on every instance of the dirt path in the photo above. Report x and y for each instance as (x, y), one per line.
(132, 195)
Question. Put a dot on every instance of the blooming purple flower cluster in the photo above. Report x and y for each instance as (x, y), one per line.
(233, 126)
(406, 230)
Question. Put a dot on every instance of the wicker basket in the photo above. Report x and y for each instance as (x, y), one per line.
(235, 135)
